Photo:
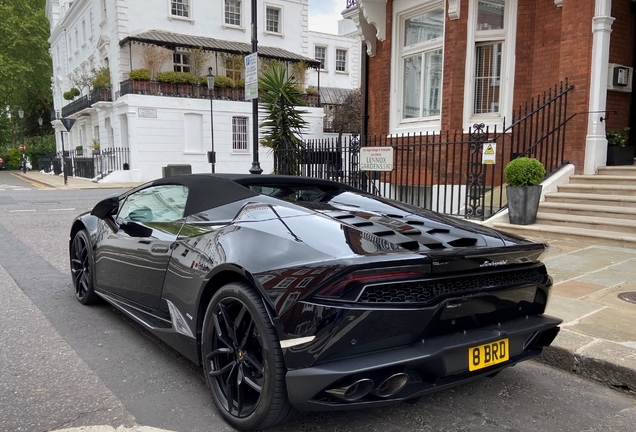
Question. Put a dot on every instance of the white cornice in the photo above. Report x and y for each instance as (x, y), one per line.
(454, 7)
(71, 15)
(558, 3)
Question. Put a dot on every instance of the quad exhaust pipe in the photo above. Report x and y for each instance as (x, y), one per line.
(354, 391)
(392, 385)
(362, 387)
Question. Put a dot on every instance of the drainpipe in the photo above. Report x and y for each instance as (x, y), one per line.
(596, 143)
(632, 117)
(365, 95)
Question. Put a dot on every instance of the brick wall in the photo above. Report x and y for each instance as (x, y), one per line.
(621, 52)
(552, 44)
(380, 81)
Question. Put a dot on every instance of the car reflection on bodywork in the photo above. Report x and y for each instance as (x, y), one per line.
(299, 294)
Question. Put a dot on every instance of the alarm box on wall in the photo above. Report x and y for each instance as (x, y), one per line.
(619, 78)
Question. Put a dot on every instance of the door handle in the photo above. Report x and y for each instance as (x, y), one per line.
(159, 248)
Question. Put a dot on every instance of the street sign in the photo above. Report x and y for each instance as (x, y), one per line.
(22, 147)
(376, 158)
(489, 153)
(251, 76)
(68, 123)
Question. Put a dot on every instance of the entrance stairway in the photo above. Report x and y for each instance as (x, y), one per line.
(599, 208)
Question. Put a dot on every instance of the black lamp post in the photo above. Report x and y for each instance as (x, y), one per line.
(21, 115)
(40, 121)
(256, 166)
(211, 154)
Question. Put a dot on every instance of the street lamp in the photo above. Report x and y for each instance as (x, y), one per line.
(40, 121)
(21, 115)
(211, 154)
(256, 165)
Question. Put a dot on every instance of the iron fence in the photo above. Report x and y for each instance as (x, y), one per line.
(445, 172)
(88, 164)
(102, 94)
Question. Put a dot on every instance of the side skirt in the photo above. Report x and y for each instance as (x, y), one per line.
(174, 332)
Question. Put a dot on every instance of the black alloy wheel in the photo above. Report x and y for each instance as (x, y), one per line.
(82, 266)
(243, 361)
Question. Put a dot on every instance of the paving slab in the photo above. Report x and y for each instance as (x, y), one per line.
(576, 289)
(570, 310)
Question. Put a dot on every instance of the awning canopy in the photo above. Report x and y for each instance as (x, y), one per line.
(333, 95)
(168, 39)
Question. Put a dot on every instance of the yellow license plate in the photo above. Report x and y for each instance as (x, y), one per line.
(489, 354)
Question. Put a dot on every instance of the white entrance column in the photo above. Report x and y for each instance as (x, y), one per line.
(596, 143)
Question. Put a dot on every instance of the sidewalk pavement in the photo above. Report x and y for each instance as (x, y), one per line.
(594, 293)
(47, 181)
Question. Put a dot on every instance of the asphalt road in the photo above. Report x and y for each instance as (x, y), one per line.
(63, 364)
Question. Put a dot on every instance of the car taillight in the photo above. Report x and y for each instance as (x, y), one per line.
(350, 286)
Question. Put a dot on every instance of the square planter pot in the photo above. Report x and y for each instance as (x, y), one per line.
(523, 204)
(620, 155)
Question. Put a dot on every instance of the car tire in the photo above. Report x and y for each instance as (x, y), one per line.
(83, 268)
(243, 361)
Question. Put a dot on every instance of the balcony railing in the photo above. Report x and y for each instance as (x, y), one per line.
(154, 88)
(351, 3)
(98, 95)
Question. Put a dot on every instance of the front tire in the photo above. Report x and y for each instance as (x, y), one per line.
(82, 268)
(243, 361)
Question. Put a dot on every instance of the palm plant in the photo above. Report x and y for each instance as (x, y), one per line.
(284, 123)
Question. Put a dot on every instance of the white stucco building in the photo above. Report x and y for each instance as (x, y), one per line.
(159, 124)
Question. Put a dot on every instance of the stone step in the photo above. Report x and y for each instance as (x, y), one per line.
(542, 232)
(605, 211)
(601, 189)
(604, 179)
(618, 170)
(603, 200)
(615, 225)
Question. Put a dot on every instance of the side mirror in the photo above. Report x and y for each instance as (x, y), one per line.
(106, 207)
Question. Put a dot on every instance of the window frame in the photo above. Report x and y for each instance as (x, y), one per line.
(475, 37)
(240, 146)
(240, 14)
(181, 64)
(346, 60)
(323, 62)
(409, 9)
(173, 5)
(104, 11)
(279, 9)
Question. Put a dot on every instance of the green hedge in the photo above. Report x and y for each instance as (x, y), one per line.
(142, 74)
(176, 77)
(71, 94)
(524, 171)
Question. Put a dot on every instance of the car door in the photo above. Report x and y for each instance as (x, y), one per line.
(131, 261)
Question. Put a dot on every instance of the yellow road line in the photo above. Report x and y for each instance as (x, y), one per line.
(35, 183)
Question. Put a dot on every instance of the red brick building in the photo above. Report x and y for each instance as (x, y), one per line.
(438, 65)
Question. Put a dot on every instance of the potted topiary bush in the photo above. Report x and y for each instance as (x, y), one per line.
(618, 152)
(523, 176)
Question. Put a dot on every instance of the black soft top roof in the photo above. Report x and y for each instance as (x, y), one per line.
(206, 191)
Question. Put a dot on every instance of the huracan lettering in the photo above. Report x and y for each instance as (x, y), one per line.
(494, 263)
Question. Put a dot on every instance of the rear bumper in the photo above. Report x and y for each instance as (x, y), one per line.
(431, 365)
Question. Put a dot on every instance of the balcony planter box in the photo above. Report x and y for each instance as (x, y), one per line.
(617, 155)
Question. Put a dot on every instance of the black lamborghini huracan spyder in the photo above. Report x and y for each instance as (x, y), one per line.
(299, 294)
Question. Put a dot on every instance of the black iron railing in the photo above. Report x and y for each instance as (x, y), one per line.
(154, 88)
(90, 164)
(351, 3)
(102, 94)
(444, 172)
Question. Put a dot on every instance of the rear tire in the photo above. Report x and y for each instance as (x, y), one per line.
(82, 268)
(243, 361)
